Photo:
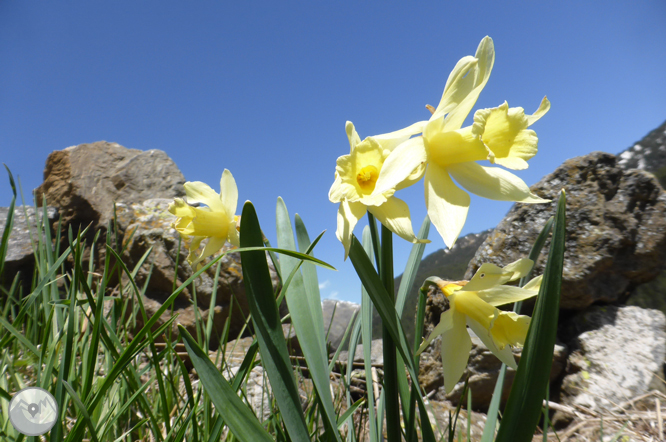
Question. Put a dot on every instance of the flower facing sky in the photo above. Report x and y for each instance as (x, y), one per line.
(474, 304)
(499, 135)
(355, 180)
(216, 222)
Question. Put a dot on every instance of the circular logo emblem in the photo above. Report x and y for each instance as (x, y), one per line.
(33, 411)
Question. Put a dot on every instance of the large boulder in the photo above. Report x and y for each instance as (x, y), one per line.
(618, 354)
(648, 154)
(149, 225)
(616, 230)
(84, 181)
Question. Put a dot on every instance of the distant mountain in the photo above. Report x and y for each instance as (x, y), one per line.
(648, 154)
(447, 264)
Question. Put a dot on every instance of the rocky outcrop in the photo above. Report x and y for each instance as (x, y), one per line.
(84, 181)
(618, 354)
(337, 316)
(616, 230)
(648, 154)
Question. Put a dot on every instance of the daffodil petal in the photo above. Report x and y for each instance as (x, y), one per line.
(519, 268)
(458, 85)
(445, 324)
(401, 164)
(233, 237)
(213, 245)
(465, 91)
(505, 355)
(198, 192)
(181, 209)
(394, 214)
(505, 294)
(487, 276)
(447, 204)
(354, 139)
(348, 215)
(510, 329)
(340, 191)
(543, 108)
(391, 140)
(492, 183)
(228, 192)
(456, 345)
(534, 284)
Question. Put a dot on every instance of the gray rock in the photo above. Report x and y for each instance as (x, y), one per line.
(376, 353)
(27, 230)
(618, 357)
(616, 230)
(337, 315)
(84, 181)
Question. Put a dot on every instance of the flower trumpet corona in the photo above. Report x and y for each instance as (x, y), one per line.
(355, 179)
(474, 304)
(499, 135)
(216, 222)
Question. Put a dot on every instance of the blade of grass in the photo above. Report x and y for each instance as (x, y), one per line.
(236, 414)
(523, 408)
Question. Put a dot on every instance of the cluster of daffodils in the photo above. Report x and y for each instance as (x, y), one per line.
(215, 221)
(474, 303)
(440, 150)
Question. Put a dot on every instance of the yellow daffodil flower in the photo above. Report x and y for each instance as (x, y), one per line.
(474, 304)
(216, 222)
(355, 179)
(499, 135)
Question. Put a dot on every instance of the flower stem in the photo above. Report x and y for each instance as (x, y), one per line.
(393, 429)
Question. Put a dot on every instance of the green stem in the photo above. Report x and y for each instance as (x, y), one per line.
(393, 429)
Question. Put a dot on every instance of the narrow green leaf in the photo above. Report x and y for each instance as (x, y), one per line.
(523, 408)
(303, 306)
(268, 327)
(386, 309)
(350, 411)
(366, 326)
(236, 414)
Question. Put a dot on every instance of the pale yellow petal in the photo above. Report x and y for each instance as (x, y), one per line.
(534, 284)
(487, 276)
(348, 215)
(445, 324)
(493, 183)
(467, 89)
(354, 139)
(456, 345)
(340, 191)
(392, 140)
(543, 108)
(505, 294)
(446, 203)
(510, 328)
(505, 355)
(519, 268)
(228, 192)
(401, 164)
(394, 214)
(181, 209)
(198, 192)
(504, 132)
(233, 237)
(213, 245)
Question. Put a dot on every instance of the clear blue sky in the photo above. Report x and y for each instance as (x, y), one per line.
(264, 88)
